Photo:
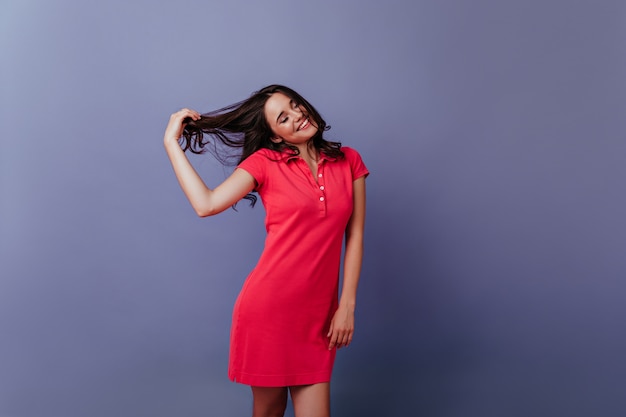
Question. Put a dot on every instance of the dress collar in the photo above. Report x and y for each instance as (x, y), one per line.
(288, 155)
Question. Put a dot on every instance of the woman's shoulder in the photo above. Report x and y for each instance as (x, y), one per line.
(264, 153)
(354, 160)
(350, 153)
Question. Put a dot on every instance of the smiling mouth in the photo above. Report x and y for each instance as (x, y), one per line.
(304, 124)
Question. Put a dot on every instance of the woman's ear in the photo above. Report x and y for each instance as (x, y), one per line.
(276, 139)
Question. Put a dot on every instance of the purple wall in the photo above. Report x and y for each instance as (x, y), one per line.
(493, 283)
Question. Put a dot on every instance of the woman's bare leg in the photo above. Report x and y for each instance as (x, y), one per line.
(311, 400)
(269, 401)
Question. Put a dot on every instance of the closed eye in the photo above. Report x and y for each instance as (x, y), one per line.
(294, 106)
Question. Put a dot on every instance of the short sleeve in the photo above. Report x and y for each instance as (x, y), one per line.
(256, 165)
(357, 166)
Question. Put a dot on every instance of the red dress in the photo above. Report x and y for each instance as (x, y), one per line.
(283, 312)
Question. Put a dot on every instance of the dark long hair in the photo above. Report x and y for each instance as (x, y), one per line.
(243, 129)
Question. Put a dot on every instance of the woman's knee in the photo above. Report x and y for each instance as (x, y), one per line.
(269, 401)
(311, 400)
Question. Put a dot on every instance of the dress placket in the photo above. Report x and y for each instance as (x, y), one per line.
(321, 185)
(318, 184)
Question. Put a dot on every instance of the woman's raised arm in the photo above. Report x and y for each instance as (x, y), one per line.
(205, 202)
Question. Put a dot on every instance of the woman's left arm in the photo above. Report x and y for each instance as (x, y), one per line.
(342, 324)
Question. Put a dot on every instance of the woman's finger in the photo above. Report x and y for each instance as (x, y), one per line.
(184, 113)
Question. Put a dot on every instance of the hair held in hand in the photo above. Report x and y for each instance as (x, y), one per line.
(241, 129)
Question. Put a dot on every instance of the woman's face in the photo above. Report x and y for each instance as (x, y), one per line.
(288, 120)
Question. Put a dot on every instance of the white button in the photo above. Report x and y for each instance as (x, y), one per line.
(319, 175)
(322, 187)
(321, 198)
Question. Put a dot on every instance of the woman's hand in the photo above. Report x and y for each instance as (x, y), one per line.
(174, 129)
(341, 328)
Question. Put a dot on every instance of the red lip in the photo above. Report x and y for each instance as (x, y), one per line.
(304, 124)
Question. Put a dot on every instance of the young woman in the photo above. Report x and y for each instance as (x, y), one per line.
(287, 320)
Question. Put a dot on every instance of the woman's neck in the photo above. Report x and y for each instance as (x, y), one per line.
(308, 152)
